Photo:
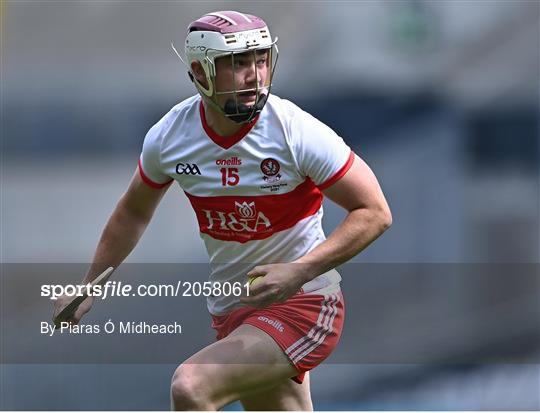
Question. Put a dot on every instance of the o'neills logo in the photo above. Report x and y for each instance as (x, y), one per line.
(245, 218)
(274, 323)
(234, 161)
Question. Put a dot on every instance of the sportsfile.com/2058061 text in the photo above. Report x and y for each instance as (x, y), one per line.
(119, 289)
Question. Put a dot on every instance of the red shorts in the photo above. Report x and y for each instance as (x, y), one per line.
(307, 327)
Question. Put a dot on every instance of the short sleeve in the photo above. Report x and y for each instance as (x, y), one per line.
(320, 153)
(150, 160)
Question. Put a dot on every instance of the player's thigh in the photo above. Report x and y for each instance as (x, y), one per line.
(246, 361)
(287, 395)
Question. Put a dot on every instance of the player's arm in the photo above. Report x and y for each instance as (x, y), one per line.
(123, 230)
(368, 217)
(359, 192)
(126, 225)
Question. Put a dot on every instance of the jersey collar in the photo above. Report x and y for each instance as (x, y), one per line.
(225, 141)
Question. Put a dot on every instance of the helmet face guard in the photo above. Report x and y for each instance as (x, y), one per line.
(236, 36)
(232, 107)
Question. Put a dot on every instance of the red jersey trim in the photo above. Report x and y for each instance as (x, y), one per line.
(225, 141)
(247, 218)
(148, 181)
(339, 174)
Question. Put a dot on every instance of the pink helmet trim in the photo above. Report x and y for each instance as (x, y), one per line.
(226, 22)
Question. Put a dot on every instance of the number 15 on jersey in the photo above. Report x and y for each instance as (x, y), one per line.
(229, 176)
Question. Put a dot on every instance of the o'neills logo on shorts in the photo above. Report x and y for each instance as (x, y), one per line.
(274, 323)
(234, 161)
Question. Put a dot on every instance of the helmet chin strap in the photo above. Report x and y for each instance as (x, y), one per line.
(241, 113)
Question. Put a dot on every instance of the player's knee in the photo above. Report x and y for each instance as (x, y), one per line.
(188, 390)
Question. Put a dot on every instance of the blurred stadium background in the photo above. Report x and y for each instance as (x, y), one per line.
(439, 97)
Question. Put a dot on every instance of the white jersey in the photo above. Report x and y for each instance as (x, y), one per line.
(256, 195)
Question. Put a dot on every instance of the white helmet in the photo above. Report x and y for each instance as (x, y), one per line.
(228, 33)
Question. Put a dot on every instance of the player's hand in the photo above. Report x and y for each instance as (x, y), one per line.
(279, 283)
(63, 300)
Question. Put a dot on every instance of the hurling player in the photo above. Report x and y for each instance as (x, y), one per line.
(255, 169)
